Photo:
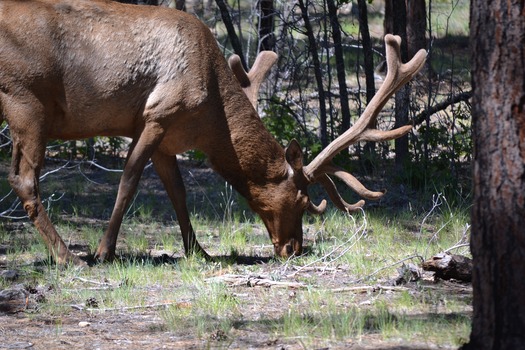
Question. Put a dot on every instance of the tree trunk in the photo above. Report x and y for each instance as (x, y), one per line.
(416, 23)
(369, 149)
(416, 26)
(234, 39)
(403, 95)
(340, 65)
(312, 46)
(497, 34)
(266, 25)
(180, 5)
(388, 21)
(367, 50)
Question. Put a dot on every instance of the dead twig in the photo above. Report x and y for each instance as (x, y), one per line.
(346, 245)
(106, 284)
(388, 266)
(127, 308)
(253, 281)
(365, 289)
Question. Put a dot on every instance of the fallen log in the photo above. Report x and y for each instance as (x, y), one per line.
(450, 266)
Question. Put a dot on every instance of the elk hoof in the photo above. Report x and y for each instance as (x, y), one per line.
(103, 255)
(71, 259)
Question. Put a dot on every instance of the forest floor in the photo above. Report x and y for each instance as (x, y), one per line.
(155, 298)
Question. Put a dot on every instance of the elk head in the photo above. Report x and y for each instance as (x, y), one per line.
(283, 203)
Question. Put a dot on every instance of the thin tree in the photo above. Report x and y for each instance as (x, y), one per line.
(312, 46)
(402, 97)
(367, 50)
(232, 35)
(368, 55)
(266, 25)
(339, 65)
(497, 35)
(416, 26)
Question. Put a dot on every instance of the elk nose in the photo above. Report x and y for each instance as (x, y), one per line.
(289, 249)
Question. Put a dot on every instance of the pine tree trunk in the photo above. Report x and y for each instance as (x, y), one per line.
(402, 97)
(266, 25)
(312, 47)
(340, 65)
(416, 26)
(232, 35)
(498, 216)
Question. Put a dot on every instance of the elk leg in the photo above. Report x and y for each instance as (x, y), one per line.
(138, 155)
(168, 170)
(24, 179)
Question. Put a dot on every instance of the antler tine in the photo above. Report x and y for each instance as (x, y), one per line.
(316, 209)
(336, 198)
(251, 81)
(398, 74)
(351, 181)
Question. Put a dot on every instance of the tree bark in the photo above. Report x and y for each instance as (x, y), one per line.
(367, 50)
(403, 95)
(266, 25)
(232, 35)
(416, 26)
(312, 46)
(340, 65)
(497, 34)
(416, 23)
(369, 149)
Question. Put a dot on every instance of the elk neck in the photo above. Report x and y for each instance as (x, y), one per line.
(244, 152)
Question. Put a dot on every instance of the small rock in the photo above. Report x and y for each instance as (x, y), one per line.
(9, 275)
(83, 324)
(13, 300)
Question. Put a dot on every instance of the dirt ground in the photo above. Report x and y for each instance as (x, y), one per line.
(24, 326)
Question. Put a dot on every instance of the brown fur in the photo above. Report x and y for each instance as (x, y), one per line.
(76, 69)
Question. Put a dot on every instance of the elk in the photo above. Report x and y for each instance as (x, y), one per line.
(78, 69)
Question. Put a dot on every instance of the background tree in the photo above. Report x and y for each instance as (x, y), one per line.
(339, 64)
(414, 14)
(266, 25)
(416, 26)
(497, 34)
(402, 97)
(232, 35)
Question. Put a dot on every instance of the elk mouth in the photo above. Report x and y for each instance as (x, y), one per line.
(289, 249)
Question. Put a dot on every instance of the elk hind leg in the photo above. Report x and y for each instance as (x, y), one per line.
(24, 179)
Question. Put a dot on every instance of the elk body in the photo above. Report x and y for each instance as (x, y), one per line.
(77, 69)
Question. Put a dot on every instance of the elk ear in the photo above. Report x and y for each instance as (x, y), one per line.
(294, 155)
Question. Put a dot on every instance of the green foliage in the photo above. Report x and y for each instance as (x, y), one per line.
(282, 122)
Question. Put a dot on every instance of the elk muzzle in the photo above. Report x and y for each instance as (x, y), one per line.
(293, 247)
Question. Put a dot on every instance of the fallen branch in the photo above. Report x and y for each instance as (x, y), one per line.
(388, 266)
(106, 284)
(421, 117)
(365, 289)
(253, 281)
(450, 266)
(127, 308)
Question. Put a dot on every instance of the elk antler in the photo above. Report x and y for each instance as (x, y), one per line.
(318, 170)
(251, 81)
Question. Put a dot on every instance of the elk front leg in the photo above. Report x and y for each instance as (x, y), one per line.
(140, 151)
(168, 170)
(28, 156)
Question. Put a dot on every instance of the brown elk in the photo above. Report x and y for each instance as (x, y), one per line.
(77, 69)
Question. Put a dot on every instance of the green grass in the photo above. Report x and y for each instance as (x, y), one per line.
(365, 249)
(344, 251)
